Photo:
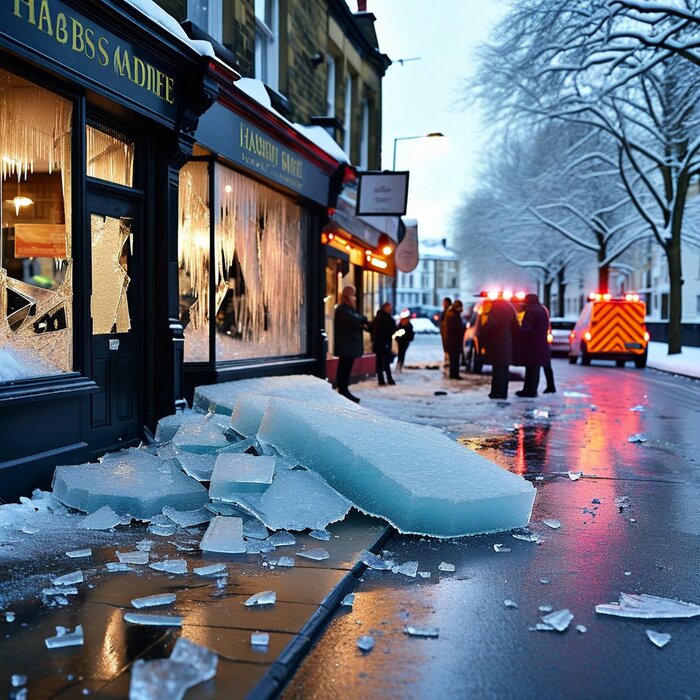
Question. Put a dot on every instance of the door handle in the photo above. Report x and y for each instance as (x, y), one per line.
(114, 344)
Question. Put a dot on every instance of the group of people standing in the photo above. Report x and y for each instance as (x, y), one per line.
(348, 326)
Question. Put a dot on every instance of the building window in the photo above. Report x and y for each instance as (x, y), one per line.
(257, 271)
(347, 121)
(330, 85)
(266, 51)
(110, 156)
(36, 292)
(364, 137)
(206, 14)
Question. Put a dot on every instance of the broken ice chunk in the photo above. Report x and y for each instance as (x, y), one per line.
(638, 408)
(355, 451)
(137, 483)
(414, 631)
(170, 566)
(500, 548)
(541, 627)
(545, 608)
(145, 545)
(68, 579)
(285, 561)
(559, 620)
(219, 508)
(374, 562)
(365, 643)
(424, 574)
(649, 607)
(248, 411)
(575, 395)
(240, 474)
(574, 476)
(317, 554)
(118, 566)
(188, 665)
(162, 530)
(282, 538)
(151, 601)
(259, 639)
(30, 529)
(153, 620)
(65, 638)
(444, 566)
(637, 437)
(209, 570)
(510, 603)
(538, 413)
(551, 522)
(9, 616)
(199, 467)
(409, 568)
(323, 535)
(201, 434)
(297, 500)
(658, 639)
(530, 537)
(169, 425)
(254, 529)
(137, 557)
(18, 680)
(581, 629)
(60, 590)
(78, 553)
(249, 445)
(348, 600)
(102, 519)
(262, 598)
(258, 547)
(224, 535)
(187, 518)
(544, 581)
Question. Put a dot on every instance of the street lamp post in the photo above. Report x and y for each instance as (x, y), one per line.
(431, 135)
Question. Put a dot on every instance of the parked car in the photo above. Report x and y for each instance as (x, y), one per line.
(559, 331)
(424, 325)
(432, 312)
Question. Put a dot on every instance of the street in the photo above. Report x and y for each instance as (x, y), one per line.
(629, 524)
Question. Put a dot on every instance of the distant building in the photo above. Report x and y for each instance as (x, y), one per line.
(436, 277)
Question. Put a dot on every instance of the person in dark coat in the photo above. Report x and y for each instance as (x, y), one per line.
(446, 303)
(404, 336)
(454, 336)
(348, 325)
(383, 329)
(497, 337)
(534, 348)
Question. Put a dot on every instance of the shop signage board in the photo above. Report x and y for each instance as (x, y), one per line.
(78, 45)
(382, 193)
(228, 134)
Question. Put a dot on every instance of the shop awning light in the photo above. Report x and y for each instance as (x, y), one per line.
(520, 296)
(378, 262)
(387, 250)
(507, 294)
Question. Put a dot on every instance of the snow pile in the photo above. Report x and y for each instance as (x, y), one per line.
(686, 363)
(16, 363)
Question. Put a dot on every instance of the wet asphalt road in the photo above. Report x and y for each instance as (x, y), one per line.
(648, 542)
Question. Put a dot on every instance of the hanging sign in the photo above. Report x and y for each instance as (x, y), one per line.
(382, 193)
(40, 241)
(406, 253)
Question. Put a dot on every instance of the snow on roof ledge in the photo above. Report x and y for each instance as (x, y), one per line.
(158, 15)
(255, 89)
(409, 222)
(319, 136)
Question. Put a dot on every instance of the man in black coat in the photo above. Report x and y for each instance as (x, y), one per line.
(497, 337)
(454, 336)
(383, 329)
(348, 325)
(534, 348)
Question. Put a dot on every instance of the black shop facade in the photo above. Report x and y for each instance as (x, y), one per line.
(98, 108)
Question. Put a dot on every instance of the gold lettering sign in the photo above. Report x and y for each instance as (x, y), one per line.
(82, 39)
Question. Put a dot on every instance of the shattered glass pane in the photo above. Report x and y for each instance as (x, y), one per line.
(110, 280)
(110, 155)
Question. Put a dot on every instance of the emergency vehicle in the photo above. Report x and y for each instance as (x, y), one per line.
(610, 328)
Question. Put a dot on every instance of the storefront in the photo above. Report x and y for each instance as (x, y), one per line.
(253, 200)
(97, 108)
(361, 254)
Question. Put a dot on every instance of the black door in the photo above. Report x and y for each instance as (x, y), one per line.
(115, 311)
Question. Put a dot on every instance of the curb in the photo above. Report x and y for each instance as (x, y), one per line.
(673, 372)
(285, 665)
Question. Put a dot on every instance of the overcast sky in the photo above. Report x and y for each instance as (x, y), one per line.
(419, 98)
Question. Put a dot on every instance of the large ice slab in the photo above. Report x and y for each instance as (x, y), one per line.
(413, 476)
(198, 467)
(297, 499)
(224, 535)
(168, 426)
(240, 473)
(221, 398)
(138, 483)
(201, 434)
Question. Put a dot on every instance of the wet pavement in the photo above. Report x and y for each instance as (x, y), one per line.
(214, 616)
(630, 523)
